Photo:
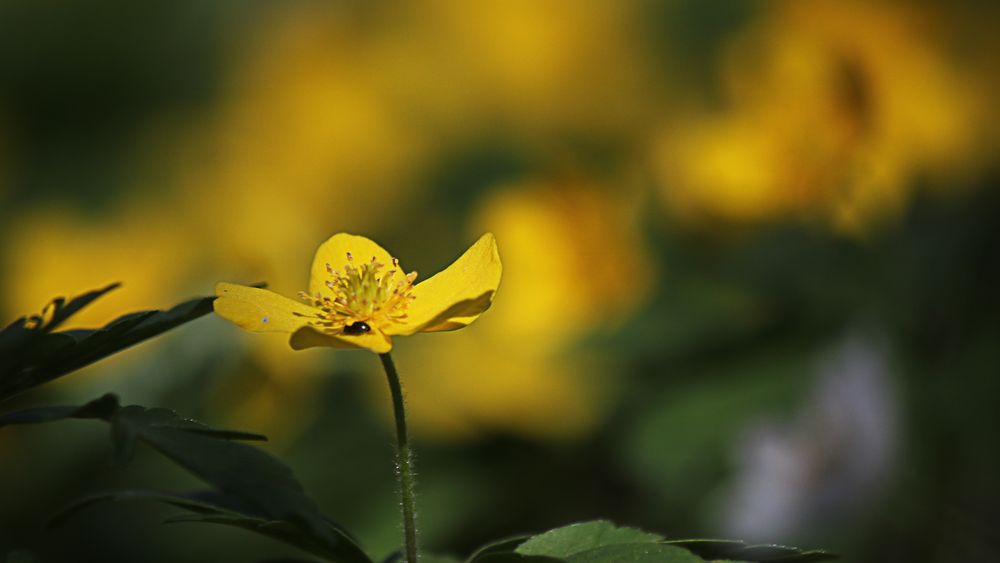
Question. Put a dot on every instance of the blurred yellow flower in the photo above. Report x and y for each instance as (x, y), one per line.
(55, 252)
(355, 304)
(834, 109)
(523, 372)
(306, 113)
(530, 65)
(564, 230)
(306, 136)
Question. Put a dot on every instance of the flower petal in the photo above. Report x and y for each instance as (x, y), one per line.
(309, 337)
(260, 310)
(334, 252)
(457, 295)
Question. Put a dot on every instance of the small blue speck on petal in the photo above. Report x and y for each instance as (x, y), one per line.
(264, 320)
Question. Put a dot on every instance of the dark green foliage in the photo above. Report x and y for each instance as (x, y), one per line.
(575, 538)
(251, 477)
(201, 502)
(601, 541)
(33, 353)
(634, 553)
(252, 489)
(101, 408)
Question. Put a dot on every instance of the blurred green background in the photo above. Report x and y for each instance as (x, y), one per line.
(750, 261)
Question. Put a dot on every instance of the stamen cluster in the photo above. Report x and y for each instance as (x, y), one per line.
(362, 294)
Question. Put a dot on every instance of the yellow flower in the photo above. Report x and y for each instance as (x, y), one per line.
(834, 110)
(533, 377)
(57, 251)
(525, 62)
(360, 297)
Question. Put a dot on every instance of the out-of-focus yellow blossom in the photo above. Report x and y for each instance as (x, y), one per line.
(834, 109)
(58, 253)
(574, 264)
(530, 65)
(360, 297)
(305, 116)
(568, 231)
(304, 137)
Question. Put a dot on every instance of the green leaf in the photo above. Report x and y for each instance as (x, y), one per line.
(255, 490)
(286, 532)
(212, 507)
(635, 553)
(99, 408)
(62, 311)
(575, 538)
(31, 354)
(131, 422)
(506, 545)
(602, 542)
(512, 557)
(740, 551)
(248, 474)
(201, 502)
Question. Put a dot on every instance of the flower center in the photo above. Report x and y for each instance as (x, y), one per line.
(363, 297)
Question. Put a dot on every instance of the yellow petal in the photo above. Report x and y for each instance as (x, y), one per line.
(334, 252)
(308, 337)
(457, 295)
(260, 310)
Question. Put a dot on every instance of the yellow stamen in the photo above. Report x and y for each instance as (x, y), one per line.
(363, 294)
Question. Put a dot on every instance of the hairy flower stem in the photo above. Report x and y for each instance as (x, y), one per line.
(404, 461)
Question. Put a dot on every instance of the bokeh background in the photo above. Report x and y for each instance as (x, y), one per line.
(750, 261)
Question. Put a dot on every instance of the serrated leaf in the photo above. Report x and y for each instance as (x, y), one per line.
(212, 507)
(575, 538)
(740, 551)
(283, 531)
(102, 408)
(249, 475)
(63, 311)
(635, 553)
(254, 490)
(31, 354)
(152, 419)
(200, 502)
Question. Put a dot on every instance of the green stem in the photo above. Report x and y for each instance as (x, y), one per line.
(404, 460)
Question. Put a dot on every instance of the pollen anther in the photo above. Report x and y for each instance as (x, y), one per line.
(362, 295)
